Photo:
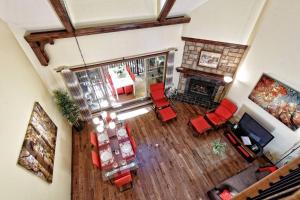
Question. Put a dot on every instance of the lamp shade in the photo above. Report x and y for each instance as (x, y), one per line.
(228, 79)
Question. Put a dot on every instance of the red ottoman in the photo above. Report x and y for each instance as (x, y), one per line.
(166, 114)
(200, 125)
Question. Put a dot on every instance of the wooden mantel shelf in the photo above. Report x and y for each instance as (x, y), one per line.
(193, 72)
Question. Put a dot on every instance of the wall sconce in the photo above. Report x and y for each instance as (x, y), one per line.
(228, 78)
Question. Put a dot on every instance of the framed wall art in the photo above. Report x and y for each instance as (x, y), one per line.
(209, 59)
(38, 149)
(280, 100)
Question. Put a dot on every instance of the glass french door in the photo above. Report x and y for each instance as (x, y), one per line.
(97, 86)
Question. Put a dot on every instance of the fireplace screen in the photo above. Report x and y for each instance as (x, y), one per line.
(199, 87)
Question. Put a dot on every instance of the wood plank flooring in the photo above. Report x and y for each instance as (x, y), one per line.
(182, 167)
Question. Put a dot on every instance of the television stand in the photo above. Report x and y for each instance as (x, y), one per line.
(249, 152)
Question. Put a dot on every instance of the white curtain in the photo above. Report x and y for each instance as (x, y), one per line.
(74, 88)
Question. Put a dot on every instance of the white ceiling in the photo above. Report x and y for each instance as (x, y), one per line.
(88, 12)
(38, 15)
(183, 7)
(33, 15)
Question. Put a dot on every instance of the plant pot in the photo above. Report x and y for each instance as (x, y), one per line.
(79, 126)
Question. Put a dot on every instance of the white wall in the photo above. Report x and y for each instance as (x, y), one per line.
(227, 21)
(102, 47)
(20, 87)
(275, 51)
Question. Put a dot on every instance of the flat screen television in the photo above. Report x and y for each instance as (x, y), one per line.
(254, 130)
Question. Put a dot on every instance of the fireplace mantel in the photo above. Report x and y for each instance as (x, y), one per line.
(193, 72)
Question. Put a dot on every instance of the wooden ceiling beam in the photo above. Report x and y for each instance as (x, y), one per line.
(166, 10)
(62, 13)
(38, 40)
(131, 26)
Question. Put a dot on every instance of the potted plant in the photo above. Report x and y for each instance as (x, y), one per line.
(68, 108)
(218, 147)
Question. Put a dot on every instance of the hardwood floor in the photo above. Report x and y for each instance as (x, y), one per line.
(181, 167)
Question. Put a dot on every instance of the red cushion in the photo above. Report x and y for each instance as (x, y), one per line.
(223, 113)
(128, 89)
(93, 139)
(96, 159)
(244, 151)
(231, 107)
(128, 68)
(231, 138)
(123, 180)
(157, 86)
(133, 144)
(225, 195)
(161, 103)
(157, 95)
(132, 76)
(128, 130)
(215, 119)
(167, 114)
(120, 91)
(200, 124)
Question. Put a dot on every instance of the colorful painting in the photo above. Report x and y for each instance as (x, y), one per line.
(38, 149)
(279, 100)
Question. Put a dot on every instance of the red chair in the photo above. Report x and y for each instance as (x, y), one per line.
(128, 69)
(199, 125)
(128, 89)
(222, 113)
(128, 130)
(123, 180)
(132, 76)
(159, 99)
(133, 144)
(119, 90)
(166, 114)
(157, 86)
(96, 159)
(93, 139)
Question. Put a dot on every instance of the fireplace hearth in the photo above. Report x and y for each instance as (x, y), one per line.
(201, 89)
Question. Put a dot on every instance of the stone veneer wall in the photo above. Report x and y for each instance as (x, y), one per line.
(228, 64)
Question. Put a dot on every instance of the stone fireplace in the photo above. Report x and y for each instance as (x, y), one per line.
(204, 85)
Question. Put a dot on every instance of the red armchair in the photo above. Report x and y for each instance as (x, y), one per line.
(123, 180)
(222, 113)
(158, 96)
(157, 86)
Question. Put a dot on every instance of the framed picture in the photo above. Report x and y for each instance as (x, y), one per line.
(280, 100)
(209, 59)
(38, 149)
